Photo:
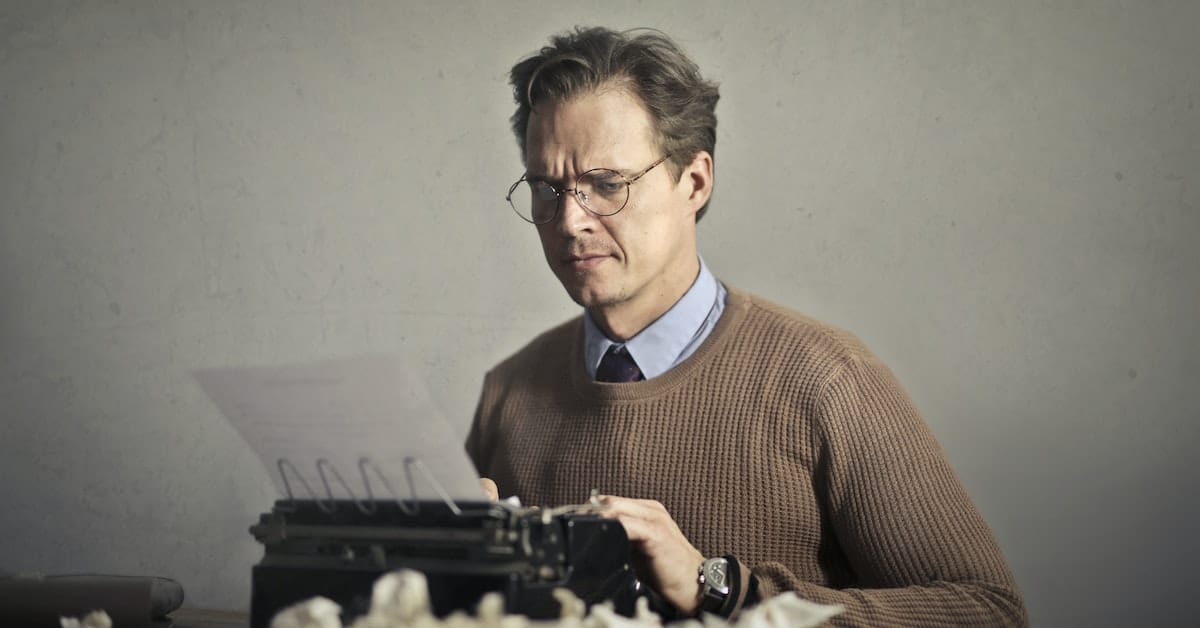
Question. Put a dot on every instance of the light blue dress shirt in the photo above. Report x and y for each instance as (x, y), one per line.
(670, 339)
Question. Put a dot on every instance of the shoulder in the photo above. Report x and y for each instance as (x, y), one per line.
(814, 342)
(548, 349)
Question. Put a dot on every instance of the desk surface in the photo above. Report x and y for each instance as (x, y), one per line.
(202, 618)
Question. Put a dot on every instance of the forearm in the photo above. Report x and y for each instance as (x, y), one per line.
(934, 603)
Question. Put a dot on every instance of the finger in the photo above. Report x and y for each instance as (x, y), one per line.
(638, 529)
(644, 521)
(490, 489)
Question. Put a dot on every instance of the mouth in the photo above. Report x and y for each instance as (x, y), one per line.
(584, 262)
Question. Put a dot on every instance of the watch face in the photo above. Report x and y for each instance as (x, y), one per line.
(715, 573)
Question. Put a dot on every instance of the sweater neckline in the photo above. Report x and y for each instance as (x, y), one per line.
(735, 311)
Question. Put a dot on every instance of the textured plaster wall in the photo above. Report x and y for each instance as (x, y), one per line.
(1000, 198)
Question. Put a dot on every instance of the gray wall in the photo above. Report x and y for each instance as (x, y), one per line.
(1000, 198)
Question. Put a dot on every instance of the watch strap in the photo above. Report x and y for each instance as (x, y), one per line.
(738, 579)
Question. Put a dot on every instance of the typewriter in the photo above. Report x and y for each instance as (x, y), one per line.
(338, 548)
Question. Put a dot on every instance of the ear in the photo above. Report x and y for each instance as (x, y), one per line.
(696, 181)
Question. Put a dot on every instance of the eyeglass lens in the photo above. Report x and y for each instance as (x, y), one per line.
(602, 192)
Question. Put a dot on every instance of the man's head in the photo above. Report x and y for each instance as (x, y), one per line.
(583, 105)
(646, 63)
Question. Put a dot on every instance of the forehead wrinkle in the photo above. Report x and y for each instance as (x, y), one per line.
(563, 140)
(560, 161)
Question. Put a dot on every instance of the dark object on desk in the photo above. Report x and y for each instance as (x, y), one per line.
(338, 549)
(134, 601)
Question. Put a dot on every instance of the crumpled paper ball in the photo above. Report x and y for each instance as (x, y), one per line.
(319, 612)
(95, 619)
(400, 599)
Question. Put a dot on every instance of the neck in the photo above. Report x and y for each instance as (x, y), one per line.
(626, 319)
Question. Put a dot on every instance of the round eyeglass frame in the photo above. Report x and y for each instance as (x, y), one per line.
(582, 199)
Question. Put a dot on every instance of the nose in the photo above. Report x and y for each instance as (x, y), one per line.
(572, 217)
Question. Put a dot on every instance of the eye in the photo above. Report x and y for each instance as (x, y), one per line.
(606, 183)
(543, 191)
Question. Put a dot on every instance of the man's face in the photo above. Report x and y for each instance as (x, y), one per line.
(639, 261)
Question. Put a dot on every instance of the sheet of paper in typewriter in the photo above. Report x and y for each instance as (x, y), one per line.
(354, 428)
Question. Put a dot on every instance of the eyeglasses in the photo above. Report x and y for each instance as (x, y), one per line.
(601, 191)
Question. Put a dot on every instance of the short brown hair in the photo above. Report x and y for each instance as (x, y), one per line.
(681, 102)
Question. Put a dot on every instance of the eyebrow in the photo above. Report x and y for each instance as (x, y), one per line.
(540, 178)
(529, 176)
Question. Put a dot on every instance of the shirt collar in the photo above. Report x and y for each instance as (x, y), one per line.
(657, 347)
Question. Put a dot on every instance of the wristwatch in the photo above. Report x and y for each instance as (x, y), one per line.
(714, 584)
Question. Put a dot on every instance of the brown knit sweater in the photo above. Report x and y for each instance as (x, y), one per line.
(782, 441)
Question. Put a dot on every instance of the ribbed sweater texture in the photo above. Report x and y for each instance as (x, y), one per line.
(782, 441)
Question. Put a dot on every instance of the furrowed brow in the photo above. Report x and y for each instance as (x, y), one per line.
(539, 178)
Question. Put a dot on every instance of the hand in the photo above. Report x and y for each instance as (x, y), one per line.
(490, 488)
(669, 561)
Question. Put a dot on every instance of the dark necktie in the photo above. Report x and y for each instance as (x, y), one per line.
(617, 366)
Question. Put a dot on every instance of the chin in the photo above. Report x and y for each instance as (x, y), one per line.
(592, 289)
(593, 300)
(590, 297)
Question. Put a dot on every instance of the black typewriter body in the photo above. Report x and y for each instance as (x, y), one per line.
(337, 549)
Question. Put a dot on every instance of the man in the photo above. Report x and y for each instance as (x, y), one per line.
(736, 440)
